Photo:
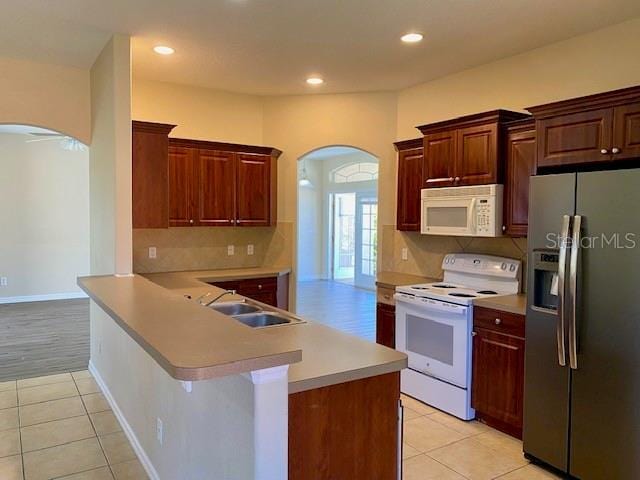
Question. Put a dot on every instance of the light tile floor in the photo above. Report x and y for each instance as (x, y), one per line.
(61, 427)
(439, 446)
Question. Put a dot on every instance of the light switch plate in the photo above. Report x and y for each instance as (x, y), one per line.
(405, 253)
(153, 253)
(250, 249)
(230, 250)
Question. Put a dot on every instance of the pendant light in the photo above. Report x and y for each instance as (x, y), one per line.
(304, 179)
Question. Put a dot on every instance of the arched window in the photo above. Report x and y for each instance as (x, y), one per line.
(356, 172)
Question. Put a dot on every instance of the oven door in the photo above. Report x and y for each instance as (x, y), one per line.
(435, 336)
(448, 216)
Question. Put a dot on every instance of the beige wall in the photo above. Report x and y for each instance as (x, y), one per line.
(603, 60)
(44, 207)
(110, 159)
(199, 113)
(48, 96)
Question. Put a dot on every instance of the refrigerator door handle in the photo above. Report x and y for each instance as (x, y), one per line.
(573, 287)
(562, 261)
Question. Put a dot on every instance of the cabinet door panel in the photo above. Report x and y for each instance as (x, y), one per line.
(439, 159)
(253, 191)
(409, 185)
(182, 186)
(626, 131)
(520, 165)
(150, 179)
(216, 185)
(575, 138)
(477, 155)
(386, 325)
(498, 379)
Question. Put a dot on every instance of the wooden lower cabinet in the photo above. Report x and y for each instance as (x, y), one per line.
(345, 431)
(386, 325)
(273, 291)
(498, 369)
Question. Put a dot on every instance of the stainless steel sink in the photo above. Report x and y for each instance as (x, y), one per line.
(266, 319)
(234, 308)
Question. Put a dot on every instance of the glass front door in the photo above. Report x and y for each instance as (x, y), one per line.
(366, 240)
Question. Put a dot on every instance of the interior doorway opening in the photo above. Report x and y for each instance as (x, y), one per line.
(337, 237)
(44, 206)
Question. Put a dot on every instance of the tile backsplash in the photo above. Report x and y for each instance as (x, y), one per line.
(205, 248)
(425, 252)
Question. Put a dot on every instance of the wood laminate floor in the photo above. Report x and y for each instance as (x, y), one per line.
(43, 338)
(338, 305)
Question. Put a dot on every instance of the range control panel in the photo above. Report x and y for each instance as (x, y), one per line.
(481, 264)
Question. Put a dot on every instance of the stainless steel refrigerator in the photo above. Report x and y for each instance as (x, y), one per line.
(582, 368)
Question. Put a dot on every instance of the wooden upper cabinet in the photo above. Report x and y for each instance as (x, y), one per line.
(626, 131)
(477, 160)
(182, 186)
(597, 129)
(439, 159)
(150, 174)
(582, 137)
(410, 161)
(253, 196)
(216, 188)
(465, 150)
(520, 164)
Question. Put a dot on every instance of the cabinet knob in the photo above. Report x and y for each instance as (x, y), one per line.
(497, 321)
(457, 179)
(615, 150)
(604, 151)
(259, 287)
(191, 221)
(451, 179)
(231, 220)
(473, 334)
(504, 228)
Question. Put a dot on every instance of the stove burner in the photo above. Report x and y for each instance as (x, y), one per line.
(444, 285)
(419, 288)
(487, 292)
(463, 295)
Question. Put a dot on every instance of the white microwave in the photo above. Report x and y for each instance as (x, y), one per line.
(474, 211)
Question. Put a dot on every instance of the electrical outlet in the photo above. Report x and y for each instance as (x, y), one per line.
(405, 253)
(249, 249)
(4, 281)
(230, 250)
(153, 252)
(159, 430)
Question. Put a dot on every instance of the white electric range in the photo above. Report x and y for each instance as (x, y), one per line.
(434, 323)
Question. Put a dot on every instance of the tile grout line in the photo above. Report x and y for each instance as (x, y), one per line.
(94, 428)
(20, 435)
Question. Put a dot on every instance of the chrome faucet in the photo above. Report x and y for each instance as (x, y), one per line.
(206, 304)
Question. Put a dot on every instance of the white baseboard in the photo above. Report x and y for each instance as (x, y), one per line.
(43, 298)
(128, 431)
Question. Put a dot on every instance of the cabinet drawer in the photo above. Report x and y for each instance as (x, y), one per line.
(499, 321)
(258, 285)
(385, 295)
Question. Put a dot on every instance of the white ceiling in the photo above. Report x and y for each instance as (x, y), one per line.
(271, 46)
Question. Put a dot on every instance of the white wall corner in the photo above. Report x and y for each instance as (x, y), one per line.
(271, 422)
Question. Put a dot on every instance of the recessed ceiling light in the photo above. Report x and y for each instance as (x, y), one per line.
(412, 37)
(315, 81)
(163, 50)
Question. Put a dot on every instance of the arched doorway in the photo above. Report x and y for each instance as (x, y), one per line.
(337, 237)
(44, 207)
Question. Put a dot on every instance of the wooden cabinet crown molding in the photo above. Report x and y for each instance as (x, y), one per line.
(590, 102)
(403, 145)
(152, 127)
(225, 147)
(493, 116)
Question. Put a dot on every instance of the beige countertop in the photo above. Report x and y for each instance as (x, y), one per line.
(216, 345)
(508, 303)
(192, 278)
(395, 279)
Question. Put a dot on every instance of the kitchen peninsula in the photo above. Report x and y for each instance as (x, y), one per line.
(182, 377)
